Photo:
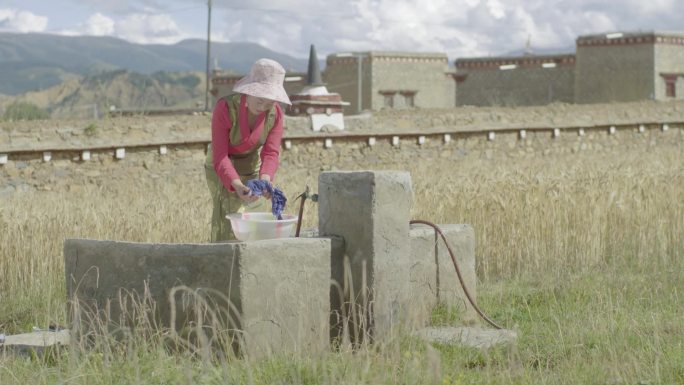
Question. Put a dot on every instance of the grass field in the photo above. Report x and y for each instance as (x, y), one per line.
(582, 255)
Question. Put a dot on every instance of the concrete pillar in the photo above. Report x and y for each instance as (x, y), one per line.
(433, 276)
(285, 285)
(370, 210)
(262, 297)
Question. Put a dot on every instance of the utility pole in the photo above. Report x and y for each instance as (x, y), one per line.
(208, 77)
(359, 76)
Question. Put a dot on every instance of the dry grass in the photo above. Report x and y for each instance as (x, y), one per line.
(561, 215)
(581, 254)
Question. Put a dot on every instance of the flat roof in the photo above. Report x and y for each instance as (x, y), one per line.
(522, 61)
(631, 38)
(391, 54)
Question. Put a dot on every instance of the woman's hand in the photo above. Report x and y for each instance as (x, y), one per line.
(243, 192)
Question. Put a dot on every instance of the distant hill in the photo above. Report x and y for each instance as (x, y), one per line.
(30, 62)
(120, 89)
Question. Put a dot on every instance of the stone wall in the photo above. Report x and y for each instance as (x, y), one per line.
(619, 73)
(341, 76)
(422, 78)
(615, 67)
(66, 172)
(526, 86)
(307, 157)
(163, 150)
(409, 154)
(669, 59)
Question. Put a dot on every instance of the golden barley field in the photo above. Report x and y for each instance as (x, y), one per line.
(582, 255)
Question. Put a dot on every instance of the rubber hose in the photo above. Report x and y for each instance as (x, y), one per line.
(458, 271)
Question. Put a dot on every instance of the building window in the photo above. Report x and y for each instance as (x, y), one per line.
(670, 89)
(671, 83)
(409, 98)
(388, 98)
(398, 99)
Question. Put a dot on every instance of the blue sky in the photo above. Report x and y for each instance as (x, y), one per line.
(460, 28)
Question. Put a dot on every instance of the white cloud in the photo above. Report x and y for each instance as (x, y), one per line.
(281, 37)
(137, 28)
(397, 25)
(635, 8)
(96, 25)
(147, 29)
(496, 9)
(595, 22)
(541, 34)
(21, 21)
(99, 25)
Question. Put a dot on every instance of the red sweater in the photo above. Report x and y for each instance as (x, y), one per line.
(220, 129)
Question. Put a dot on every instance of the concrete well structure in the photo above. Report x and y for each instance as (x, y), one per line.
(272, 294)
(368, 269)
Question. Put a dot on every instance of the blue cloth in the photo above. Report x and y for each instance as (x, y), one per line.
(278, 199)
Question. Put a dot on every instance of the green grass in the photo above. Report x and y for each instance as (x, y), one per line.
(605, 327)
(582, 258)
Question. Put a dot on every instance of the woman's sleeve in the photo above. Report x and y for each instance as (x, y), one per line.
(220, 129)
(270, 152)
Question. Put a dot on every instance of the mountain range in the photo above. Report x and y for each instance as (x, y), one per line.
(34, 61)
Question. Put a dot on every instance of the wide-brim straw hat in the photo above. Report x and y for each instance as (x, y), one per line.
(265, 80)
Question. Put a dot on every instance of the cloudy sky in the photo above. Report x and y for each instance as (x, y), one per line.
(460, 28)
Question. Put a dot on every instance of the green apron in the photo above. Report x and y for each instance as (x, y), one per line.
(247, 164)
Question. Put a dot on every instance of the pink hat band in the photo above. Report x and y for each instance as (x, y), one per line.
(265, 80)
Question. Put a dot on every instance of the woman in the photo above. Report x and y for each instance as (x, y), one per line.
(246, 129)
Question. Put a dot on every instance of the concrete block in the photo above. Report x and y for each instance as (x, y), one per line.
(285, 286)
(433, 278)
(270, 295)
(469, 336)
(38, 342)
(111, 280)
(370, 211)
